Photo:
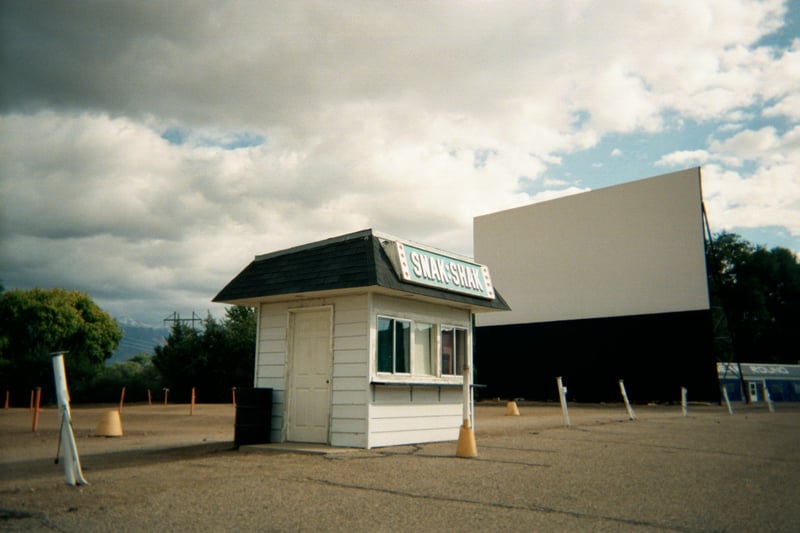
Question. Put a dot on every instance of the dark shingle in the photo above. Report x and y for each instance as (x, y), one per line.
(345, 262)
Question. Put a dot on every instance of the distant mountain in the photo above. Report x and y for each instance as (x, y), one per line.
(137, 337)
(130, 321)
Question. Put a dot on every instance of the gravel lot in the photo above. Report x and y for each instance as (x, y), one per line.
(709, 471)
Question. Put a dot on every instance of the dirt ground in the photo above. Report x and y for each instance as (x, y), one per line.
(708, 471)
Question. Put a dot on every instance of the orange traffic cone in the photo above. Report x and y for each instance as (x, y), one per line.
(109, 425)
(511, 408)
(466, 441)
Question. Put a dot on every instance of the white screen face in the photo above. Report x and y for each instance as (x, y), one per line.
(630, 249)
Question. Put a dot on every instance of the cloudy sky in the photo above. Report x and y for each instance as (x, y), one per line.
(148, 150)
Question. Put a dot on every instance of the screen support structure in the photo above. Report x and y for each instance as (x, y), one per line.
(723, 336)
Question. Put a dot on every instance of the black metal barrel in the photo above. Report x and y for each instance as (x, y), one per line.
(253, 416)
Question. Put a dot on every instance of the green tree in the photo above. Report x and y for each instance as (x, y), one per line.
(137, 375)
(180, 359)
(38, 322)
(240, 325)
(756, 292)
(212, 359)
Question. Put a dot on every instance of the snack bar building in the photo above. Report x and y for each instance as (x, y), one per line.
(362, 338)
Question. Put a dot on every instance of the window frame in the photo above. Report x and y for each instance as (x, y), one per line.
(458, 370)
(413, 377)
(431, 345)
(393, 329)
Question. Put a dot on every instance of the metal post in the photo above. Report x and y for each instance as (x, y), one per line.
(767, 396)
(466, 446)
(72, 463)
(727, 400)
(121, 400)
(472, 407)
(36, 409)
(562, 395)
(684, 406)
(631, 414)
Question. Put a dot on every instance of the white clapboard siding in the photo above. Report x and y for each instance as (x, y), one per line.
(425, 395)
(416, 421)
(350, 372)
(349, 411)
(409, 415)
(347, 397)
(343, 370)
(271, 361)
(415, 410)
(349, 384)
(420, 311)
(398, 438)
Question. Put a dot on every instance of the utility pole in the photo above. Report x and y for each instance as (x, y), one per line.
(176, 318)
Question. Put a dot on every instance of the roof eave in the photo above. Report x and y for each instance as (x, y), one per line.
(476, 307)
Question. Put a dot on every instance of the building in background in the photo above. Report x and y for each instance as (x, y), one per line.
(605, 285)
(748, 381)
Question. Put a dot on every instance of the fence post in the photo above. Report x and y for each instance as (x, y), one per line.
(121, 400)
(36, 409)
(727, 400)
(684, 406)
(767, 396)
(631, 414)
(562, 395)
(72, 462)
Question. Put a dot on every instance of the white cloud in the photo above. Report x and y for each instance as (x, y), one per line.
(788, 106)
(767, 196)
(89, 193)
(684, 158)
(749, 201)
(764, 146)
(552, 194)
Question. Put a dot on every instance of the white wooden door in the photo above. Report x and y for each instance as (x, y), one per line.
(309, 381)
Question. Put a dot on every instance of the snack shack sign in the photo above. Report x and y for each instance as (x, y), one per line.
(425, 267)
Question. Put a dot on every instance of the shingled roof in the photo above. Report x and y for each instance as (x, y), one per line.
(349, 261)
